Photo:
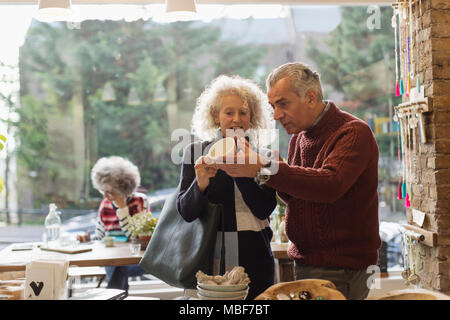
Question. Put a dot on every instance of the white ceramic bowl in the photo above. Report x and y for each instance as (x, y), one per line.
(240, 297)
(226, 288)
(221, 294)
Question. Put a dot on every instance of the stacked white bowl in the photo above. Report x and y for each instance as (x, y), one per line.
(222, 292)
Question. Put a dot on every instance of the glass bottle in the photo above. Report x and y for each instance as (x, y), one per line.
(52, 224)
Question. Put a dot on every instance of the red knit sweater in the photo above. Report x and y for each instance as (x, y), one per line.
(330, 186)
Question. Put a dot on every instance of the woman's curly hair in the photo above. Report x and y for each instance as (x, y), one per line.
(209, 102)
(115, 174)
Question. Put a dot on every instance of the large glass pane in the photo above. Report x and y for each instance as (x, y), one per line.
(119, 81)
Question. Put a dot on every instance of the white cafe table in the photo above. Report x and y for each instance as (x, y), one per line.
(118, 255)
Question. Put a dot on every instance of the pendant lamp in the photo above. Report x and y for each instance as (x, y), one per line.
(108, 92)
(133, 97)
(54, 10)
(180, 10)
(160, 94)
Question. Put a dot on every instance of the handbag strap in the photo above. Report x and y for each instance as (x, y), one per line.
(222, 216)
(222, 251)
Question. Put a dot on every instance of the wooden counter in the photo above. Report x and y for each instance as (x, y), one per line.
(284, 266)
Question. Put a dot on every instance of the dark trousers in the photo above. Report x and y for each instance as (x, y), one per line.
(351, 283)
(261, 274)
(118, 276)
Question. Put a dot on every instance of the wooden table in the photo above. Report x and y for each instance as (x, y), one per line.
(284, 266)
(119, 255)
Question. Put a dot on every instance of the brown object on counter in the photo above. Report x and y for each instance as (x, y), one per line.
(86, 237)
(412, 294)
(317, 289)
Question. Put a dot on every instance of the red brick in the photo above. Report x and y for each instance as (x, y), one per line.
(432, 192)
(440, 44)
(439, 16)
(442, 283)
(441, 131)
(440, 72)
(441, 162)
(439, 30)
(443, 240)
(443, 176)
(426, 18)
(441, 191)
(441, 102)
(424, 35)
(442, 146)
(440, 4)
(438, 88)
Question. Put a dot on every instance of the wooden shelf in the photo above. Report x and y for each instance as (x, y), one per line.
(428, 238)
(424, 105)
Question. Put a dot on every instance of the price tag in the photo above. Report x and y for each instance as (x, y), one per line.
(418, 217)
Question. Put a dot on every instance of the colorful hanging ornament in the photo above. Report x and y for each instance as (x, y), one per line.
(419, 144)
(399, 192)
(414, 125)
(406, 156)
(403, 147)
(405, 256)
(414, 279)
(404, 193)
(410, 43)
(419, 27)
(400, 16)
(409, 159)
(399, 154)
(407, 202)
(395, 26)
(408, 87)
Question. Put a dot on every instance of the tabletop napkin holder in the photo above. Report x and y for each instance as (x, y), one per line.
(46, 279)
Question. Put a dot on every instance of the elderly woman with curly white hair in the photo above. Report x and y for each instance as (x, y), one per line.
(118, 179)
(228, 106)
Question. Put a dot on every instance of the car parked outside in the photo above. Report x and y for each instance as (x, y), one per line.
(86, 222)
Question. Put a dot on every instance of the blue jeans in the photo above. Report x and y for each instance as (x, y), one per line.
(118, 276)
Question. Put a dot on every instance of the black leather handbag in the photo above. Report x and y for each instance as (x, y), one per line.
(178, 249)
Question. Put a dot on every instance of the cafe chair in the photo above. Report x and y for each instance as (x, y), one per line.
(84, 272)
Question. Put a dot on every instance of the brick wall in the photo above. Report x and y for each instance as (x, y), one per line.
(432, 195)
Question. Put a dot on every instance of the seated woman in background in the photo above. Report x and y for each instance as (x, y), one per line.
(118, 179)
(231, 105)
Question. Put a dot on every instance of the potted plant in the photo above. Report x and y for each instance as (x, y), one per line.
(142, 226)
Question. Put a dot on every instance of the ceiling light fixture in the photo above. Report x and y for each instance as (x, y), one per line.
(133, 97)
(181, 10)
(54, 10)
(108, 92)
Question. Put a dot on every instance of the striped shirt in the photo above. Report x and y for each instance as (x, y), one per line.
(114, 220)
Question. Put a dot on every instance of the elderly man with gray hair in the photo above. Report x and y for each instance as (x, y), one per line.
(329, 182)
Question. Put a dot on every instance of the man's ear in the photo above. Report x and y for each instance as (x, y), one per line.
(311, 97)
